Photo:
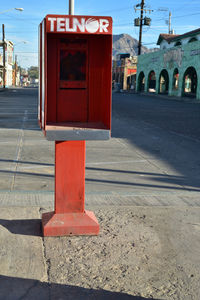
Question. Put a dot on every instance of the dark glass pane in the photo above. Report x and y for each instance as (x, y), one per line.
(72, 65)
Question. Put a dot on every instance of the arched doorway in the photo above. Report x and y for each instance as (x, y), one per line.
(175, 79)
(178, 44)
(141, 82)
(190, 82)
(152, 82)
(133, 82)
(164, 82)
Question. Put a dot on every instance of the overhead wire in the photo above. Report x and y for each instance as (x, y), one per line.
(106, 11)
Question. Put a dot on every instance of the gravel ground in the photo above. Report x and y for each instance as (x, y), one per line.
(138, 252)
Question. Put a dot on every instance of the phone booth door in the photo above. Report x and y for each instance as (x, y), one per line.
(72, 87)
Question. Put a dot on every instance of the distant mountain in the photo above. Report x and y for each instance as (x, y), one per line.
(124, 43)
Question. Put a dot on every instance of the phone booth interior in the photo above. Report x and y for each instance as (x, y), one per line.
(76, 84)
(74, 106)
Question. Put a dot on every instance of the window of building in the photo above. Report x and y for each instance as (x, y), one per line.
(178, 44)
(192, 40)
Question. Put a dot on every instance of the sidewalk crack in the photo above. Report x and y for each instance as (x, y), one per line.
(47, 264)
(19, 149)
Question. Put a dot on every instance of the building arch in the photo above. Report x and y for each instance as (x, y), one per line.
(178, 44)
(175, 81)
(190, 80)
(141, 82)
(192, 40)
(163, 82)
(133, 81)
(151, 82)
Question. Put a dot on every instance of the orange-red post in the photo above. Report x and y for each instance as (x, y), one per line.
(69, 177)
(70, 217)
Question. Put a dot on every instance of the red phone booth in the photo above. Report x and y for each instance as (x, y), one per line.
(74, 106)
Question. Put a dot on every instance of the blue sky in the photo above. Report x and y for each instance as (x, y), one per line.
(22, 27)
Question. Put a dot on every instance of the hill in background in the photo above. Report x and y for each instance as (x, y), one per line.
(124, 43)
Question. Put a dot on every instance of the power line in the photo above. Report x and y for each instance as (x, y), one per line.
(198, 13)
(14, 32)
(26, 52)
(173, 17)
(23, 19)
(113, 10)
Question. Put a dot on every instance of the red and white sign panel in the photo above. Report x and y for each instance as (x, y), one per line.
(78, 24)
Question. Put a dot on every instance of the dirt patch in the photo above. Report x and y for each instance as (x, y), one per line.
(149, 252)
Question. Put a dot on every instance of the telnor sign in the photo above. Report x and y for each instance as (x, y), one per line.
(78, 24)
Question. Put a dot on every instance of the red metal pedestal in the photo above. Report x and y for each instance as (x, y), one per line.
(69, 217)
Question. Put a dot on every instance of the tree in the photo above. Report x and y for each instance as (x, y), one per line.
(33, 72)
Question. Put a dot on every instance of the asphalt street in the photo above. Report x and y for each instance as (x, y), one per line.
(151, 159)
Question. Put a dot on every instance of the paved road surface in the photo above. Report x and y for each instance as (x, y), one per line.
(152, 158)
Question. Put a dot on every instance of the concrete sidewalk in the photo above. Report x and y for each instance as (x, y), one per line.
(149, 214)
(138, 255)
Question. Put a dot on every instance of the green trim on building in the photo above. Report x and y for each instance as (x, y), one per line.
(174, 63)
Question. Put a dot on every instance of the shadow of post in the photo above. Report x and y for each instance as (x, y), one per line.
(12, 288)
(31, 227)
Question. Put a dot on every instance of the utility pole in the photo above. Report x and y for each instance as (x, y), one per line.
(170, 15)
(15, 70)
(141, 24)
(4, 56)
(71, 7)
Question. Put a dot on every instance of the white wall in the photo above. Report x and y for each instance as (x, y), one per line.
(8, 75)
(164, 44)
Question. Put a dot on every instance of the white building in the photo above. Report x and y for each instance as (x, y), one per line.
(166, 41)
(8, 63)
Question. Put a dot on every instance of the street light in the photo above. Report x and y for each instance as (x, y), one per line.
(14, 45)
(16, 8)
(19, 8)
(23, 42)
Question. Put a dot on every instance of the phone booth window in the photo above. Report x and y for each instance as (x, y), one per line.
(72, 65)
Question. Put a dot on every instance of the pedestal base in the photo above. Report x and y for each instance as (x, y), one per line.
(69, 224)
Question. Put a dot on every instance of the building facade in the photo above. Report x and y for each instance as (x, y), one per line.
(174, 69)
(124, 72)
(8, 64)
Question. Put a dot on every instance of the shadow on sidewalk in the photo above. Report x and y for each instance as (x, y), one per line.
(18, 288)
(26, 173)
(30, 227)
(155, 186)
(26, 162)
